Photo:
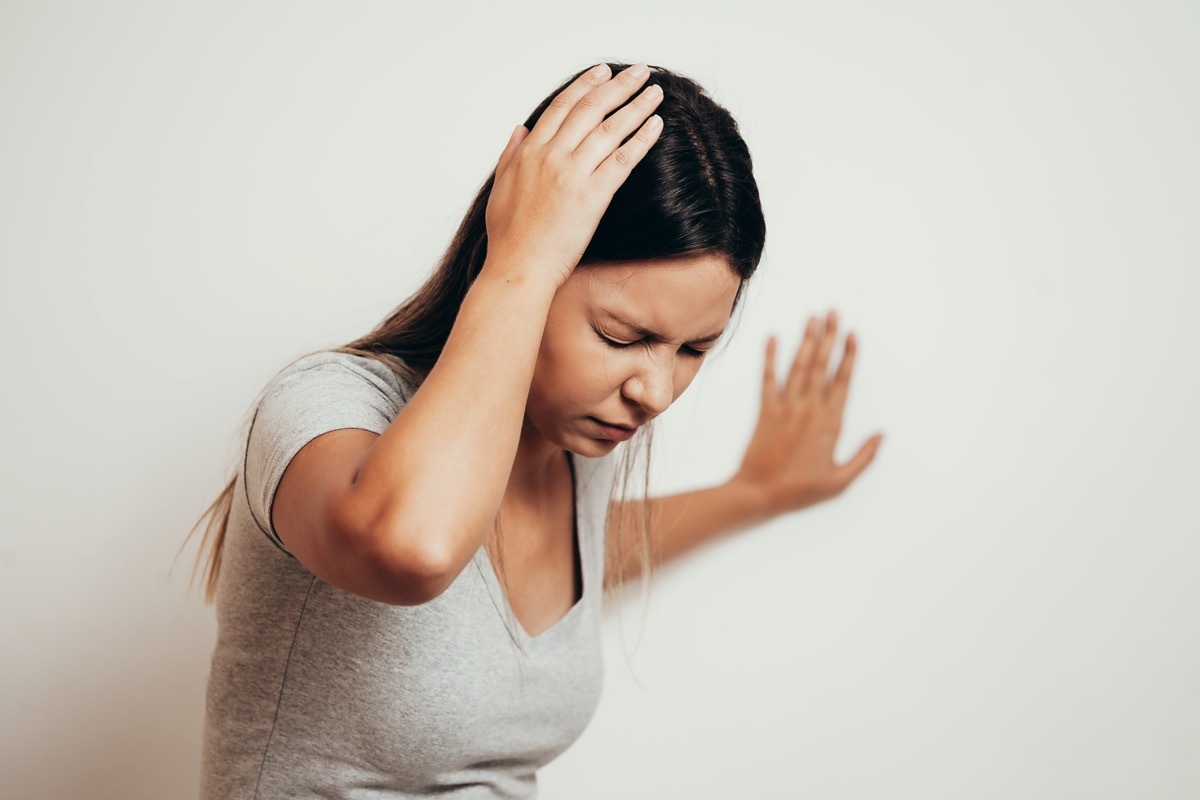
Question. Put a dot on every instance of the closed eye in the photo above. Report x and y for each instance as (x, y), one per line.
(688, 351)
(615, 344)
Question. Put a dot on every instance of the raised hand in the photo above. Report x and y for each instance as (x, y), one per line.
(789, 461)
(554, 183)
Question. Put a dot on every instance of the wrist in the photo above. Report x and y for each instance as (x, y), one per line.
(759, 503)
(523, 272)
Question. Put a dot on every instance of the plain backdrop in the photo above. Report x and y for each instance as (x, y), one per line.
(1000, 198)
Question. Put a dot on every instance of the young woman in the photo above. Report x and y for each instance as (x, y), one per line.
(408, 563)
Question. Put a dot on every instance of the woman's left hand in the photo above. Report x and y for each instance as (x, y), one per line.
(789, 461)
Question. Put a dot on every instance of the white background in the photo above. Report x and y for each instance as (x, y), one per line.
(1000, 198)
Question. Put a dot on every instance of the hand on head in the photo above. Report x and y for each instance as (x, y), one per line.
(553, 183)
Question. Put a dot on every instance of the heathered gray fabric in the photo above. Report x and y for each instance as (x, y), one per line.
(317, 692)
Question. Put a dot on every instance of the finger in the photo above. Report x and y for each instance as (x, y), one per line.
(796, 375)
(591, 109)
(550, 120)
(818, 374)
(770, 389)
(846, 473)
(518, 135)
(613, 171)
(609, 134)
(840, 386)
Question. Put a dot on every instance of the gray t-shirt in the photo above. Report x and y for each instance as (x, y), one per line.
(318, 692)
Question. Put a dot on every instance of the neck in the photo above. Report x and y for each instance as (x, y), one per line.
(535, 465)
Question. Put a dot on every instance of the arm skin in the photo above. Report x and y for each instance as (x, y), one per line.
(681, 522)
(788, 464)
(407, 482)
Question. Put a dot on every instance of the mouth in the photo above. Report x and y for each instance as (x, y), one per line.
(609, 430)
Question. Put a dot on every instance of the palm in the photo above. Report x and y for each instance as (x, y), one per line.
(790, 456)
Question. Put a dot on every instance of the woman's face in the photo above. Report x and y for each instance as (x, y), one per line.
(622, 341)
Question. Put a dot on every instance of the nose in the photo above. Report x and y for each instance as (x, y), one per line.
(653, 386)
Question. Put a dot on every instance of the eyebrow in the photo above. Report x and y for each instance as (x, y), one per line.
(712, 337)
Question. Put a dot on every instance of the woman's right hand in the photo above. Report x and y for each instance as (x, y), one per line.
(554, 183)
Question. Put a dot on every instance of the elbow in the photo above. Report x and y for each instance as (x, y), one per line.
(402, 568)
(419, 571)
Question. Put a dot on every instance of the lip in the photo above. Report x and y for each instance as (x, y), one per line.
(618, 433)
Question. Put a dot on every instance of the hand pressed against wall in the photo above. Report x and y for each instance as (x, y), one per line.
(789, 460)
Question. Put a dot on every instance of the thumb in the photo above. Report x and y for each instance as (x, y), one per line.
(849, 471)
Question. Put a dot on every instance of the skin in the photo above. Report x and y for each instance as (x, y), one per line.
(594, 363)
(581, 372)
(395, 517)
(788, 464)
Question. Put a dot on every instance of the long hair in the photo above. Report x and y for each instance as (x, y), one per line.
(692, 194)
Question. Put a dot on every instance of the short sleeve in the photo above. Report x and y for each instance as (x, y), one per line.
(317, 394)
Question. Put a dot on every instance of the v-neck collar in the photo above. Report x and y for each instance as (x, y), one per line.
(488, 572)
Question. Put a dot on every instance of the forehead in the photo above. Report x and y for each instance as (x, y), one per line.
(681, 297)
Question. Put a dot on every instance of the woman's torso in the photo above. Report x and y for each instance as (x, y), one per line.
(315, 691)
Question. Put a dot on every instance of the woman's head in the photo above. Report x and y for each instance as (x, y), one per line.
(692, 195)
(622, 340)
(659, 280)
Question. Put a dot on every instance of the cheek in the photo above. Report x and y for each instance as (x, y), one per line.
(575, 372)
(601, 369)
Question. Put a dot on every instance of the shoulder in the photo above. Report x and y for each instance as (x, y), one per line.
(330, 369)
(321, 392)
(316, 393)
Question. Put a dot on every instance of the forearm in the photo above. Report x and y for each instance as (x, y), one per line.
(433, 481)
(681, 522)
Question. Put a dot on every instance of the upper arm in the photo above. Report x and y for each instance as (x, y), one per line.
(313, 429)
(314, 515)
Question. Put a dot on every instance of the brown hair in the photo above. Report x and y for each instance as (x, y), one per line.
(693, 194)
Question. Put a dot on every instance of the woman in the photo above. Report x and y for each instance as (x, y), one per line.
(408, 603)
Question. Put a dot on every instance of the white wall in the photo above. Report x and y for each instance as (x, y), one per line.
(1000, 198)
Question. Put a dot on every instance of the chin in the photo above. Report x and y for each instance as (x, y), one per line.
(591, 448)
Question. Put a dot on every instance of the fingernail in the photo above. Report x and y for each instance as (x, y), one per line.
(638, 70)
(600, 70)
